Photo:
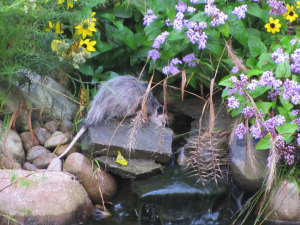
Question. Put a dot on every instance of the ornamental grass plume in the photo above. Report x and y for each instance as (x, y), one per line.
(273, 26)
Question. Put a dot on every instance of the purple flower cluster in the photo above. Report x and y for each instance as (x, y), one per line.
(238, 84)
(160, 39)
(291, 90)
(295, 112)
(195, 1)
(279, 56)
(235, 68)
(240, 11)
(172, 69)
(295, 66)
(240, 131)
(273, 122)
(217, 16)
(197, 36)
(149, 18)
(189, 59)
(277, 8)
(249, 112)
(297, 121)
(154, 54)
(255, 131)
(178, 21)
(233, 103)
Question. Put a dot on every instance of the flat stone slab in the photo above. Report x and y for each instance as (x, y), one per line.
(150, 141)
(134, 169)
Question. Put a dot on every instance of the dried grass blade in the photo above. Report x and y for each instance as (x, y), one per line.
(212, 110)
(183, 83)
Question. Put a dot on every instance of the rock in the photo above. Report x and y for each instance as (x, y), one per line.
(61, 149)
(41, 134)
(77, 163)
(55, 165)
(11, 150)
(29, 166)
(134, 169)
(151, 141)
(66, 126)
(34, 152)
(51, 126)
(173, 95)
(27, 140)
(45, 93)
(35, 124)
(283, 203)
(14, 97)
(42, 161)
(51, 198)
(57, 138)
(241, 172)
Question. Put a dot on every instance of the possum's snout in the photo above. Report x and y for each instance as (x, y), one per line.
(160, 110)
(159, 117)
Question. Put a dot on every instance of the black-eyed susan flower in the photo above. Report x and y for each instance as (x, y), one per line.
(87, 27)
(273, 26)
(88, 45)
(298, 5)
(290, 14)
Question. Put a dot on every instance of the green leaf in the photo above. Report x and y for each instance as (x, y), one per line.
(214, 45)
(86, 12)
(287, 130)
(175, 35)
(103, 47)
(254, 72)
(259, 90)
(251, 62)
(256, 46)
(86, 69)
(286, 104)
(128, 38)
(118, 24)
(98, 71)
(237, 30)
(263, 58)
(286, 113)
(108, 16)
(239, 110)
(224, 29)
(283, 69)
(264, 106)
(264, 143)
(170, 50)
(226, 82)
(254, 10)
(284, 42)
(199, 17)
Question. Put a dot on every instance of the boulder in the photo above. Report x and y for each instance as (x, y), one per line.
(241, 172)
(80, 165)
(11, 150)
(41, 134)
(48, 198)
(27, 140)
(134, 169)
(34, 152)
(42, 161)
(57, 138)
(150, 141)
(45, 93)
(51, 126)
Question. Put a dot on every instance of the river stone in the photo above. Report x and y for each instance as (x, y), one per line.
(57, 138)
(283, 203)
(174, 182)
(134, 169)
(61, 149)
(11, 150)
(51, 126)
(151, 141)
(42, 161)
(51, 198)
(41, 134)
(55, 165)
(27, 140)
(241, 172)
(77, 163)
(29, 166)
(65, 126)
(34, 152)
(45, 93)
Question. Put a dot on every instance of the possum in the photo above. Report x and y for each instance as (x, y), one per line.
(123, 98)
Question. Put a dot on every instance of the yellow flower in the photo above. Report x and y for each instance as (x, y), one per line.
(92, 16)
(298, 5)
(58, 29)
(60, 2)
(290, 14)
(87, 27)
(273, 26)
(54, 45)
(88, 45)
(50, 26)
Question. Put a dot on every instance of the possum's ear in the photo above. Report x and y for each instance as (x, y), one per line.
(160, 110)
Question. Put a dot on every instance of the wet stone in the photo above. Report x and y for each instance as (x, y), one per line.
(134, 169)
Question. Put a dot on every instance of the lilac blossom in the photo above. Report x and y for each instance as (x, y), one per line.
(298, 139)
(148, 19)
(181, 7)
(255, 131)
(197, 36)
(290, 89)
(154, 54)
(273, 94)
(217, 16)
(297, 121)
(249, 112)
(240, 131)
(189, 59)
(240, 11)
(209, 2)
(235, 69)
(168, 22)
(279, 56)
(233, 102)
(160, 39)
(268, 78)
(295, 66)
(293, 41)
(277, 8)
(252, 85)
(191, 9)
(178, 21)
(170, 70)
(195, 1)
(295, 112)
(175, 61)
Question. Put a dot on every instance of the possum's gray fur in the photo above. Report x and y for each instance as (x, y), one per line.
(107, 104)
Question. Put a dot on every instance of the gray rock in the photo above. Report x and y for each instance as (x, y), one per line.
(27, 140)
(52, 99)
(29, 166)
(134, 169)
(61, 149)
(41, 134)
(51, 126)
(151, 141)
(65, 126)
(284, 203)
(51, 198)
(81, 166)
(57, 138)
(11, 150)
(35, 124)
(34, 152)
(55, 165)
(242, 174)
(43, 161)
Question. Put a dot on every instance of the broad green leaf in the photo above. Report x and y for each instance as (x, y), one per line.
(98, 71)
(259, 90)
(239, 110)
(251, 62)
(286, 104)
(108, 16)
(103, 47)
(199, 17)
(283, 69)
(170, 9)
(129, 38)
(256, 46)
(175, 35)
(224, 93)
(284, 42)
(254, 72)
(226, 82)
(86, 12)
(224, 29)
(213, 45)
(263, 58)
(86, 69)
(237, 30)
(254, 10)
(264, 143)
(118, 24)
(287, 130)
(264, 106)
(170, 50)
(286, 113)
